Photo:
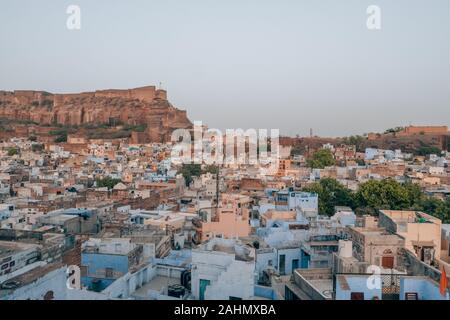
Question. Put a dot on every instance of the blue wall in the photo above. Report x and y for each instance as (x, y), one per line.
(265, 292)
(95, 261)
(426, 289)
(356, 284)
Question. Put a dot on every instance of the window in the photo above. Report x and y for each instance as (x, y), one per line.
(6, 260)
(84, 271)
(411, 296)
(4, 266)
(12, 263)
(109, 272)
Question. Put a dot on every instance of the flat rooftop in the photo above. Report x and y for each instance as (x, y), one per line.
(410, 216)
(324, 286)
(8, 248)
(158, 283)
(320, 279)
(30, 276)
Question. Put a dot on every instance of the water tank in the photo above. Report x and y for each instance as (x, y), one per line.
(176, 290)
(186, 279)
(345, 249)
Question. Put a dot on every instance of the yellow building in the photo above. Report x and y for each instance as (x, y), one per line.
(422, 232)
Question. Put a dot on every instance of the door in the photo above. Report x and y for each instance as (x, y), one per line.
(294, 264)
(305, 260)
(387, 262)
(282, 264)
(203, 284)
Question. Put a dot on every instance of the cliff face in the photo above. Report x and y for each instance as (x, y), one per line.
(140, 106)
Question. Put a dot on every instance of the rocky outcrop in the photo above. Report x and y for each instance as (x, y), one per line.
(140, 106)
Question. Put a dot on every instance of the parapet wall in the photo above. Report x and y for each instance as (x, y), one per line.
(411, 130)
(147, 94)
(28, 97)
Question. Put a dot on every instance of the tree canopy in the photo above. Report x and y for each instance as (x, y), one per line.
(107, 182)
(13, 151)
(426, 150)
(375, 195)
(321, 159)
(190, 170)
(358, 141)
(387, 194)
(331, 193)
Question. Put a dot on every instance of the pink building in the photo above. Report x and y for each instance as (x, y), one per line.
(232, 220)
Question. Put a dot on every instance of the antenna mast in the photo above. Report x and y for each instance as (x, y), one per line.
(217, 187)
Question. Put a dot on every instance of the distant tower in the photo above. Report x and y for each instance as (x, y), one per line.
(310, 132)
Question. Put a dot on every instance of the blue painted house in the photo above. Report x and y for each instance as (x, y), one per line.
(103, 261)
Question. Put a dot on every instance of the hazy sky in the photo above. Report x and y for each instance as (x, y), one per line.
(284, 64)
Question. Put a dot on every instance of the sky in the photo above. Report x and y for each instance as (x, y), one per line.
(265, 64)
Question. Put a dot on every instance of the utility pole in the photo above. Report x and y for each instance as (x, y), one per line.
(217, 187)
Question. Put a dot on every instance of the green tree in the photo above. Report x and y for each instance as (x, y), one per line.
(321, 159)
(387, 194)
(107, 182)
(435, 207)
(357, 141)
(211, 169)
(426, 150)
(13, 151)
(331, 193)
(37, 147)
(190, 170)
(376, 195)
(61, 138)
(394, 130)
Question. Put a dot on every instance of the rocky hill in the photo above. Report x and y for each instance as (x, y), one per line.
(146, 106)
(412, 143)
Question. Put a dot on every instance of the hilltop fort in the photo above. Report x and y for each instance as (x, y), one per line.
(144, 106)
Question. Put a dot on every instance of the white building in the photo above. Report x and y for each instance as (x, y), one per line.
(304, 201)
(223, 269)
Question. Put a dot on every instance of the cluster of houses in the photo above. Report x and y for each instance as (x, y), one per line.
(102, 220)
